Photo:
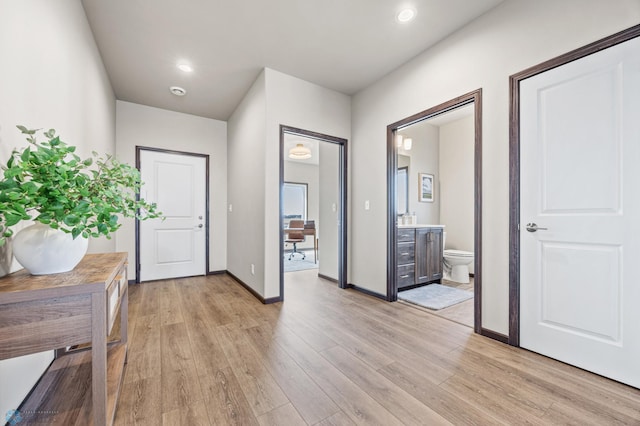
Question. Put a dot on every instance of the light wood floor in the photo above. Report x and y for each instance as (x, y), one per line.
(203, 351)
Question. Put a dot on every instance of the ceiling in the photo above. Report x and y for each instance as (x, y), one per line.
(337, 44)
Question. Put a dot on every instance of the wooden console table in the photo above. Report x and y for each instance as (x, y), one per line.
(56, 312)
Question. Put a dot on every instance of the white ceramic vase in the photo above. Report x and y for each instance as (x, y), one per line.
(44, 250)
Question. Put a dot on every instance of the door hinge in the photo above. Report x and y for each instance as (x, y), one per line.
(518, 227)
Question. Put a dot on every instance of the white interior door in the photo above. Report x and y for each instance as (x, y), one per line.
(580, 179)
(174, 247)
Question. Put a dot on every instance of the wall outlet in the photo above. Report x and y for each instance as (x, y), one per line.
(366, 205)
(230, 207)
(253, 269)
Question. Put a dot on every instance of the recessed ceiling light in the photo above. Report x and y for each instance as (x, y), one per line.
(406, 15)
(185, 67)
(178, 91)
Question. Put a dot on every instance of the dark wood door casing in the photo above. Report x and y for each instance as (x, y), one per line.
(474, 97)
(342, 210)
(139, 150)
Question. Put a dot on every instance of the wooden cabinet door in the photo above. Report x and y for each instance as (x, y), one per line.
(434, 254)
(428, 255)
(422, 255)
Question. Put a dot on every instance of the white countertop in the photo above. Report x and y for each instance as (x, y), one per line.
(420, 226)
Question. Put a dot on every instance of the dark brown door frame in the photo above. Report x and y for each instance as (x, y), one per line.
(474, 97)
(342, 213)
(139, 149)
(514, 162)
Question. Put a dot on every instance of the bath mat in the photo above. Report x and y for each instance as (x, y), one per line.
(435, 296)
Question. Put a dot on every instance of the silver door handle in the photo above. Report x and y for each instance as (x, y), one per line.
(200, 226)
(532, 227)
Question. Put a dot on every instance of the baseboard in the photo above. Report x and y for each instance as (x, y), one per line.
(272, 300)
(494, 335)
(253, 292)
(367, 292)
(134, 281)
(325, 277)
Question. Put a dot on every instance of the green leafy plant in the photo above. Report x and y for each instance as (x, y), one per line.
(47, 182)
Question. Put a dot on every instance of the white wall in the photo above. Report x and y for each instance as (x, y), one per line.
(139, 125)
(457, 140)
(309, 174)
(246, 175)
(254, 172)
(52, 77)
(329, 197)
(424, 159)
(297, 103)
(514, 36)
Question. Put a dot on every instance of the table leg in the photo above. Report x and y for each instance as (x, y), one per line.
(124, 319)
(99, 357)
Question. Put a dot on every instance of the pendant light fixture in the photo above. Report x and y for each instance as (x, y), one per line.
(300, 152)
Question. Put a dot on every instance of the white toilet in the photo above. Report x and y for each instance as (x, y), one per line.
(456, 263)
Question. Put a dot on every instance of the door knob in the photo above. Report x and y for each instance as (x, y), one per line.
(200, 226)
(532, 227)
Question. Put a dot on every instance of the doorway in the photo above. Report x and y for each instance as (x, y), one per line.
(573, 225)
(416, 203)
(177, 246)
(313, 195)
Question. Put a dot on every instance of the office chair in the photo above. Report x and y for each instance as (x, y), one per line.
(296, 237)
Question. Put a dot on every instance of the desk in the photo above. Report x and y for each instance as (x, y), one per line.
(305, 232)
(53, 312)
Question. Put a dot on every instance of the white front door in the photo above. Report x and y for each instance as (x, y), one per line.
(174, 247)
(580, 179)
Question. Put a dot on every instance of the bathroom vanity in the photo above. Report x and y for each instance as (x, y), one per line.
(419, 254)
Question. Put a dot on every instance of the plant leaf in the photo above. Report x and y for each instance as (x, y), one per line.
(75, 232)
(26, 131)
(71, 220)
(26, 154)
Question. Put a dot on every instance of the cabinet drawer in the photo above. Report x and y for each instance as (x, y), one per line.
(406, 235)
(406, 253)
(406, 276)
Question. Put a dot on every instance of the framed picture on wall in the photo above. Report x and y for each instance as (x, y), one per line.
(426, 187)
